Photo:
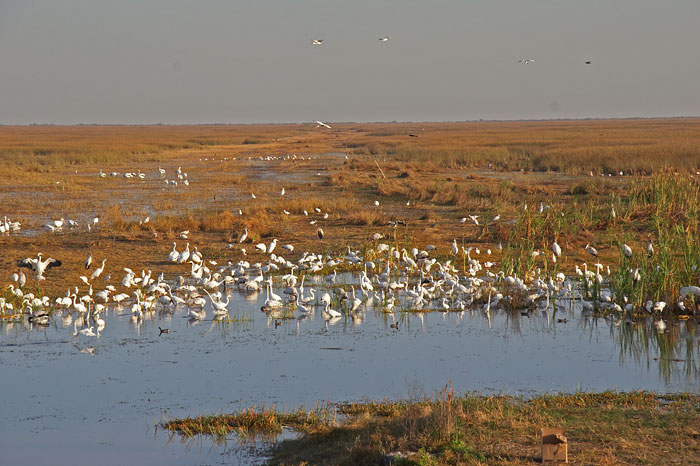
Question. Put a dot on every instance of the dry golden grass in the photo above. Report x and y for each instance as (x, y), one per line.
(443, 174)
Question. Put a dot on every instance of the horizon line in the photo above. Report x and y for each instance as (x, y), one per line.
(310, 122)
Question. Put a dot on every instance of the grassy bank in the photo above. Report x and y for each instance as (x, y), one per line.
(602, 428)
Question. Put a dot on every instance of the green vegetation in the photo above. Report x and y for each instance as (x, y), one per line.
(602, 428)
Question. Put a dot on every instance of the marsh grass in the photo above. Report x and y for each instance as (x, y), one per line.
(440, 187)
(607, 427)
(251, 422)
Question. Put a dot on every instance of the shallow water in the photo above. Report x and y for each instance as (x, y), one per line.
(98, 399)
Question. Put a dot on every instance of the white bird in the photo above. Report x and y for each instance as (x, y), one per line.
(21, 278)
(384, 39)
(320, 123)
(526, 61)
(328, 312)
(174, 255)
(626, 250)
(650, 248)
(184, 255)
(316, 41)
(261, 247)
(87, 332)
(38, 265)
(219, 306)
(98, 271)
(556, 249)
(244, 235)
(303, 309)
(88, 261)
(272, 246)
(282, 192)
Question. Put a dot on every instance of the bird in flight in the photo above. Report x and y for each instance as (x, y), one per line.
(316, 41)
(384, 39)
(526, 61)
(320, 123)
(588, 62)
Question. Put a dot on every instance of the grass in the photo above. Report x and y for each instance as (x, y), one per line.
(602, 428)
(251, 422)
(429, 182)
(450, 171)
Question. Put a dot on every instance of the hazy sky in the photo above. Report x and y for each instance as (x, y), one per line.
(237, 61)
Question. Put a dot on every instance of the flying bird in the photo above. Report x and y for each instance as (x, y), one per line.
(316, 41)
(526, 61)
(588, 62)
(38, 265)
(384, 39)
(320, 123)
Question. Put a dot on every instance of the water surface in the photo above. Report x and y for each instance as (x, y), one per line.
(99, 399)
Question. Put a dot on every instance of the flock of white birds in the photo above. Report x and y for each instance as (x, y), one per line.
(7, 226)
(387, 280)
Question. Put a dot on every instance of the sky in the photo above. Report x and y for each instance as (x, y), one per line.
(240, 61)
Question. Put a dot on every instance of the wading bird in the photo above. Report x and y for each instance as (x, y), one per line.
(98, 271)
(556, 249)
(626, 250)
(591, 250)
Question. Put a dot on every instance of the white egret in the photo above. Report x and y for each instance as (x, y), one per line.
(556, 249)
(626, 250)
(98, 271)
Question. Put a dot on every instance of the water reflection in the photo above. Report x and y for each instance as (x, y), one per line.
(676, 349)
